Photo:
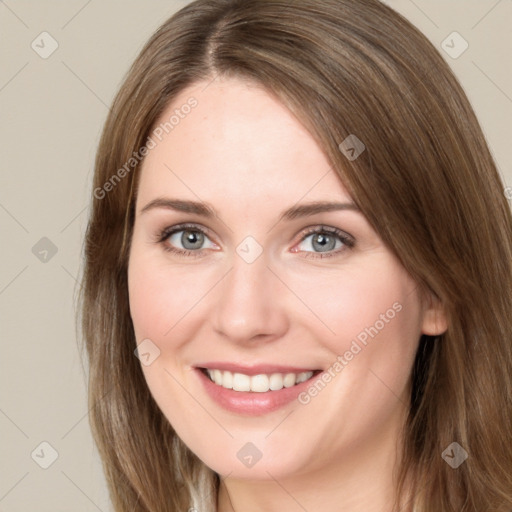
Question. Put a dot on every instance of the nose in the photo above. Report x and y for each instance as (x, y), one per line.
(251, 304)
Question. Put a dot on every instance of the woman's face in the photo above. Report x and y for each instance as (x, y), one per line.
(262, 298)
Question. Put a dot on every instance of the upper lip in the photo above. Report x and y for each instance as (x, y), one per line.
(256, 369)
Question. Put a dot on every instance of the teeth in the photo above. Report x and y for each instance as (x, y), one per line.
(217, 377)
(301, 377)
(260, 383)
(257, 383)
(241, 382)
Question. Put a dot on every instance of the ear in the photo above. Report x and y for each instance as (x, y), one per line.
(435, 320)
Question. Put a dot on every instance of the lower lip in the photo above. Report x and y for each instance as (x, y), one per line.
(252, 403)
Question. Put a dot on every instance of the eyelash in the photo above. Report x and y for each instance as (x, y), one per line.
(163, 235)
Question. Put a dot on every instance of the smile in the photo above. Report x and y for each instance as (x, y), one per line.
(260, 383)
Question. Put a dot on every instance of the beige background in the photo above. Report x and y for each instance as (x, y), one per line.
(52, 111)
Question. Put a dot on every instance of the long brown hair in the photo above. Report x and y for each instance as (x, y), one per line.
(427, 184)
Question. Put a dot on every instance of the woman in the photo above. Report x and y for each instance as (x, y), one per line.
(233, 365)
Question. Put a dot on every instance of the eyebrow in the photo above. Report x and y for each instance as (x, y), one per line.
(205, 210)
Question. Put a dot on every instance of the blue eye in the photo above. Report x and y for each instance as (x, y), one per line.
(191, 237)
(325, 241)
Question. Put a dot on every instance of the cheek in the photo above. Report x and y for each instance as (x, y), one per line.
(160, 296)
(376, 315)
(159, 300)
(375, 301)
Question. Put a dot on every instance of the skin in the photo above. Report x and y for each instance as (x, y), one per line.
(246, 155)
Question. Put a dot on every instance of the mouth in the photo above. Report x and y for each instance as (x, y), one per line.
(260, 383)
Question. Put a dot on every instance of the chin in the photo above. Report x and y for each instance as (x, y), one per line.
(246, 460)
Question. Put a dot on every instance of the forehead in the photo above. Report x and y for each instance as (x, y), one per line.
(238, 143)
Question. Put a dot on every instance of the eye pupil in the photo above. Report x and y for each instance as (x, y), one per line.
(193, 237)
(327, 243)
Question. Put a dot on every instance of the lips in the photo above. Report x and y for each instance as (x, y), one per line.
(253, 390)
